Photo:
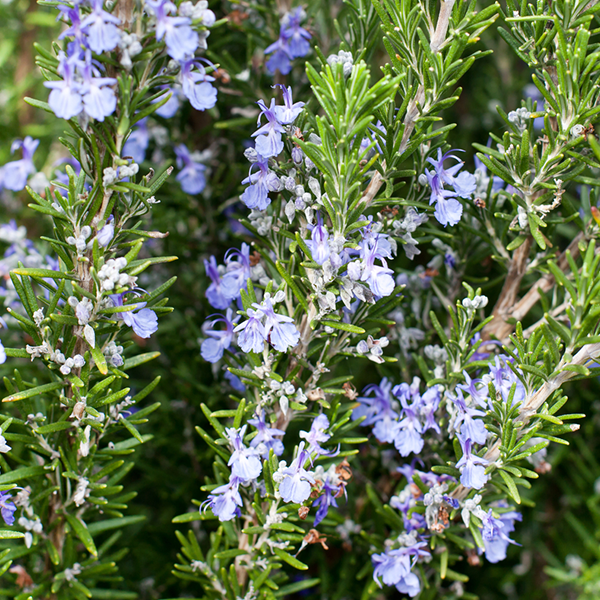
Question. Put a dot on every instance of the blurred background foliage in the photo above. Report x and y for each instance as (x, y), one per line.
(560, 535)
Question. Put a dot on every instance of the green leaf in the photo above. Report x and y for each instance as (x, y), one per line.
(290, 560)
(36, 391)
(140, 359)
(7, 534)
(22, 473)
(344, 327)
(43, 273)
(510, 484)
(82, 532)
(109, 524)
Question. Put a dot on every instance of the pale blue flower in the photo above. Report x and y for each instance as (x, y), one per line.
(196, 85)
(471, 466)
(15, 173)
(214, 292)
(143, 321)
(243, 462)
(318, 244)
(295, 485)
(238, 272)
(268, 137)
(225, 501)
(101, 28)
(192, 175)
(287, 113)
(218, 340)
(262, 181)
(251, 332)
(495, 533)
(106, 234)
(180, 38)
(265, 439)
(137, 142)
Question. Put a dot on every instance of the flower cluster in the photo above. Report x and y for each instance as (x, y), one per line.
(296, 482)
(269, 143)
(292, 42)
(402, 421)
(14, 174)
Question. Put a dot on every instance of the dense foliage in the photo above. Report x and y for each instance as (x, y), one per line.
(375, 373)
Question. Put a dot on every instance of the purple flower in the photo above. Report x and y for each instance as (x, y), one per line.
(330, 488)
(287, 113)
(316, 436)
(65, 97)
(295, 480)
(408, 435)
(472, 428)
(318, 245)
(394, 568)
(99, 100)
(7, 508)
(263, 181)
(180, 38)
(218, 341)
(101, 30)
(265, 439)
(238, 272)
(73, 16)
(268, 137)
(106, 234)
(15, 173)
(225, 500)
(214, 293)
(143, 321)
(504, 379)
(471, 466)
(191, 177)
(252, 335)
(378, 411)
(196, 85)
(479, 396)
(495, 534)
(243, 462)
(171, 106)
(281, 59)
(281, 330)
(137, 142)
(296, 37)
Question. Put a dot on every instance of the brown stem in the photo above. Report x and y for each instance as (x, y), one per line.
(508, 296)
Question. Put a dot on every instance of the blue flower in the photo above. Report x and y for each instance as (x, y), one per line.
(263, 181)
(243, 462)
(143, 321)
(472, 428)
(2, 353)
(331, 489)
(495, 534)
(238, 272)
(214, 293)
(181, 40)
(65, 97)
(218, 341)
(100, 27)
(7, 508)
(280, 329)
(137, 142)
(287, 113)
(281, 59)
(99, 100)
(471, 466)
(14, 174)
(296, 36)
(295, 480)
(73, 16)
(191, 177)
(378, 411)
(196, 85)
(171, 106)
(265, 439)
(268, 137)
(394, 568)
(316, 436)
(318, 245)
(251, 336)
(225, 501)
(503, 379)
(106, 234)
